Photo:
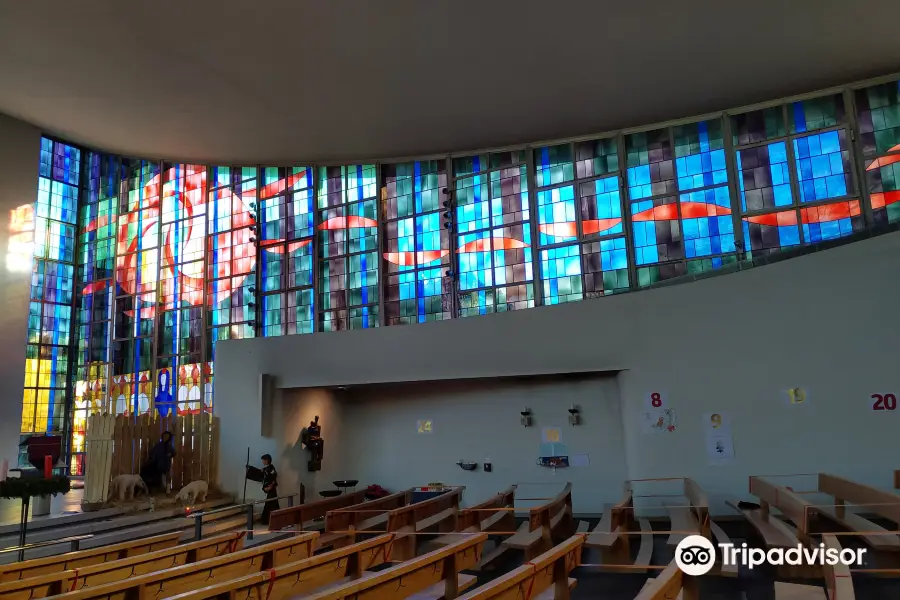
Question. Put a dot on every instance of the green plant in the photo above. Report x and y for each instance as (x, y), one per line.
(29, 487)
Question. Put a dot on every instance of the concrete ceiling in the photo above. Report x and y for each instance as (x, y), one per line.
(330, 80)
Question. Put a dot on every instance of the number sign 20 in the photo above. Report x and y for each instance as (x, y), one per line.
(884, 402)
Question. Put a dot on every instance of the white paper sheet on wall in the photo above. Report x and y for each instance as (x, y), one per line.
(580, 460)
(718, 437)
(551, 435)
(660, 420)
(720, 449)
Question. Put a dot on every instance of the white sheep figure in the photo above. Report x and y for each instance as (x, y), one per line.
(124, 487)
(192, 493)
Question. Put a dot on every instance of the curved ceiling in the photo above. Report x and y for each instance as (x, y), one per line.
(330, 80)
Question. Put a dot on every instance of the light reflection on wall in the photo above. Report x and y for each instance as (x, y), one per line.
(21, 239)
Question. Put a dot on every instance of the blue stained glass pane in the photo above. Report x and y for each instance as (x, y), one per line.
(712, 233)
(822, 166)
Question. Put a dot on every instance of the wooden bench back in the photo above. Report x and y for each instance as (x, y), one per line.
(298, 515)
(117, 570)
(838, 579)
(873, 500)
(794, 507)
(897, 480)
(415, 575)
(84, 558)
(474, 515)
(344, 519)
(699, 505)
(541, 516)
(184, 578)
(406, 521)
(301, 577)
(668, 585)
(551, 568)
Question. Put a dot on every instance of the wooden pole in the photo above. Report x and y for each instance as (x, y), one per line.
(244, 501)
(23, 525)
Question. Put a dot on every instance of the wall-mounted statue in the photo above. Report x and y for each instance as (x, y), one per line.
(311, 437)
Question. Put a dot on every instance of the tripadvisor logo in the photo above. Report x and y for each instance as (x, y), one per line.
(696, 555)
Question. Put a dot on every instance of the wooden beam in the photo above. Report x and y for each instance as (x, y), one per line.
(794, 507)
(837, 578)
(872, 500)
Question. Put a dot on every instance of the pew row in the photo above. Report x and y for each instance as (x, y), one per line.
(88, 557)
(432, 576)
(304, 516)
(438, 514)
(870, 500)
(671, 584)
(546, 577)
(775, 532)
(692, 518)
(547, 524)
(179, 579)
(360, 517)
(496, 514)
(316, 573)
(91, 575)
(611, 535)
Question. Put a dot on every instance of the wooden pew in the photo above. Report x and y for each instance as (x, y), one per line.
(363, 516)
(871, 500)
(84, 558)
(792, 505)
(435, 514)
(180, 579)
(897, 480)
(546, 524)
(693, 518)
(116, 570)
(302, 516)
(496, 514)
(838, 580)
(431, 576)
(671, 584)
(611, 534)
(304, 576)
(490, 515)
(546, 577)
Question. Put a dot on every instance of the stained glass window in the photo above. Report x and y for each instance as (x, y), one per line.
(795, 182)
(416, 243)
(581, 235)
(348, 247)
(878, 113)
(50, 327)
(287, 227)
(493, 229)
(680, 201)
(95, 291)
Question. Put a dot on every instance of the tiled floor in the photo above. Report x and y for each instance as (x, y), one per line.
(10, 510)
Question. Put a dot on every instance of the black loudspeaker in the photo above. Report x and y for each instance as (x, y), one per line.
(254, 474)
(314, 465)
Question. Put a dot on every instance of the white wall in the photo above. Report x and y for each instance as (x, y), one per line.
(19, 154)
(826, 322)
(479, 420)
